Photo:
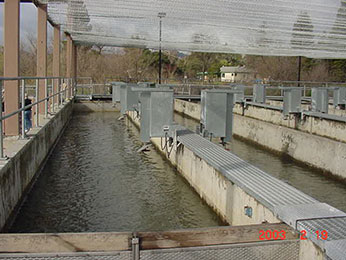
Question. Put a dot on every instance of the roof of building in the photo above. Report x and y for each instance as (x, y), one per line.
(236, 69)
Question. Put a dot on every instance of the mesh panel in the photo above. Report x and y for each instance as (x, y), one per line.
(288, 250)
(285, 250)
(74, 256)
(314, 28)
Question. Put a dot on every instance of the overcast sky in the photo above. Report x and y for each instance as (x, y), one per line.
(28, 22)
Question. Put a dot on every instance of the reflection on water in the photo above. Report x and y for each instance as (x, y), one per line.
(308, 180)
(96, 181)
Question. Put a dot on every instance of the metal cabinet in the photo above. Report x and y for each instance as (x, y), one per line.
(128, 98)
(156, 112)
(259, 93)
(319, 100)
(217, 113)
(292, 100)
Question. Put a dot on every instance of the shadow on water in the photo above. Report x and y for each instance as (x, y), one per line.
(306, 179)
(96, 181)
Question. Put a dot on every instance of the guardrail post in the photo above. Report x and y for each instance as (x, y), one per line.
(37, 106)
(46, 100)
(23, 111)
(53, 97)
(1, 127)
(59, 89)
(135, 247)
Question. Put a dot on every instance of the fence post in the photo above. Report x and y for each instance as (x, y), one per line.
(46, 100)
(53, 97)
(59, 95)
(23, 105)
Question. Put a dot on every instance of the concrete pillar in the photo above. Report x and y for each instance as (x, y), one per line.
(56, 60)
(11, 63)
(42, 52)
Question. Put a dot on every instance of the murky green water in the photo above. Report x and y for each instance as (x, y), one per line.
(308, 180)
(96, 181)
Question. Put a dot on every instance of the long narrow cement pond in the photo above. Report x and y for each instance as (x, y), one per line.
(96, 181)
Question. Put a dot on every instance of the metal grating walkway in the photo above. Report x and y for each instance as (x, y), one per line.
(294, 207)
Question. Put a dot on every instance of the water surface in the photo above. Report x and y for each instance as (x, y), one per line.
(95, 180)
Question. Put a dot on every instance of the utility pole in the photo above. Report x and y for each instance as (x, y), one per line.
(160, 15)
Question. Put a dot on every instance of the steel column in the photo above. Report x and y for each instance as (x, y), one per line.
(11, 63)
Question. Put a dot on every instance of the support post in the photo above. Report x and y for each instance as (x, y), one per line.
(37, 117)
(42, 52)
(56, 63)
(11, 63)
(23, 105)
(68, 61)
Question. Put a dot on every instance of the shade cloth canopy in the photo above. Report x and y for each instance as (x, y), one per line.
(311, 28)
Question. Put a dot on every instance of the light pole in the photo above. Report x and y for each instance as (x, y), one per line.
(160, 15)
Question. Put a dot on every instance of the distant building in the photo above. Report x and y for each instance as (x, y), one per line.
(237, 74)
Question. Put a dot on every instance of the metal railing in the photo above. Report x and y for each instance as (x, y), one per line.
(60, 89)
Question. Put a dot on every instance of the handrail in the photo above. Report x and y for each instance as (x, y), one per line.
(68, 90)
(29, 106)
(24, 77)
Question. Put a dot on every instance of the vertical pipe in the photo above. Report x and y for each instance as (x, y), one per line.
(1, 130)
(23, 105)
(46, 100)
(37, 106)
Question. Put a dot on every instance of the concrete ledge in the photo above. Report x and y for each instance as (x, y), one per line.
(19, 171)
(320, 152)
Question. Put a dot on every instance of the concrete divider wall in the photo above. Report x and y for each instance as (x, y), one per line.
(317, 151)
(18, 173)
(318, 126)
(226, 198)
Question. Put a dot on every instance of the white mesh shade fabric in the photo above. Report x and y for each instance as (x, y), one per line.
(312, 28)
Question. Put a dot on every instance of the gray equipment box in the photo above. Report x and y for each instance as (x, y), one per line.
(319, 100)
(259, 93)
(116, 91)
(128, 98)
(217, 113)
(339, 97)
(239, 96)
(292, 100)
(156, 111)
